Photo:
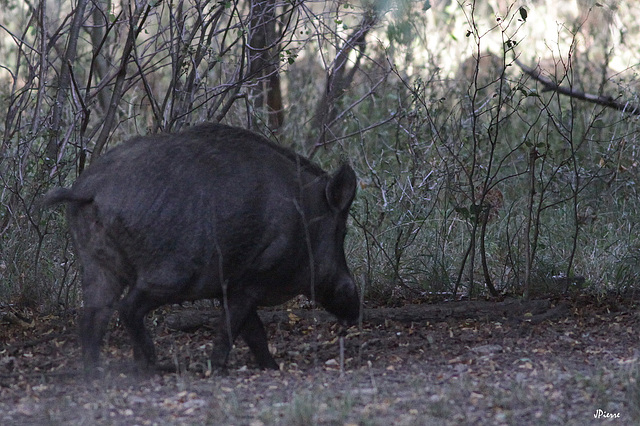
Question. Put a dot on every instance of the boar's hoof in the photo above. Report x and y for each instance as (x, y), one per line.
(267, 363)
(219, 362)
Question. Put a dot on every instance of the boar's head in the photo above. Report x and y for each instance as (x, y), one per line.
(335, 288)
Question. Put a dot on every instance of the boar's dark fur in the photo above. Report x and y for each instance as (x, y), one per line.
(213, 212)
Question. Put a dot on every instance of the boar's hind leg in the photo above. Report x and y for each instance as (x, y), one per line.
(133, 309)
(241, 317)
(100, 291)
(93, 325)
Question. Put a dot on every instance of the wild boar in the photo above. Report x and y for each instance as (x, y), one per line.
(212, 212)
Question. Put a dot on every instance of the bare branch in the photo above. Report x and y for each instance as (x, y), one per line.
(137, 19)
(64, 84)
(550, 85)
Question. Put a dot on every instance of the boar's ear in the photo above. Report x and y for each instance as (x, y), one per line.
(341, 188)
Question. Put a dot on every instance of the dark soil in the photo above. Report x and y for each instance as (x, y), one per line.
(567, 367)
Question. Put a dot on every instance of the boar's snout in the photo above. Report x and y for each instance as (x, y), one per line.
(344, 303)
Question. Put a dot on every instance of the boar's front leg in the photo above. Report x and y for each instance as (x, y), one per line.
(241, 317)
(255, 336)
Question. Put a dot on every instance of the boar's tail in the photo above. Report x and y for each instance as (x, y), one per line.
(61, 195)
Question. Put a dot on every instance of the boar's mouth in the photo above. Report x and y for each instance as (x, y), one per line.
(343, 302)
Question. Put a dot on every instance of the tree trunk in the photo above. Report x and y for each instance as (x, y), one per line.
(339, 77)
(264, 58)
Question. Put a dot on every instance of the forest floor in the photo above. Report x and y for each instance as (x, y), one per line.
(579, 366)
